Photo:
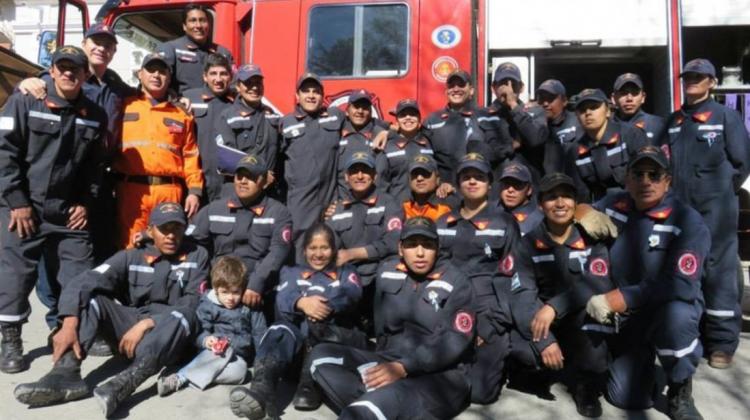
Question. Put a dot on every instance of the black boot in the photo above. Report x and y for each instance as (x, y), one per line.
(115, 391)
(101, 347)
(63, 383)
(586, 396)
(258, 402)
(11, 349)
(680, 400)
(307, 397)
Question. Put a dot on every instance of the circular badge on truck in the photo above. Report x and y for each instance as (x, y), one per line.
(446, 36)
(442, 67)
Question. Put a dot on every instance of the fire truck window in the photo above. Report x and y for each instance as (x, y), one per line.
(358, 41)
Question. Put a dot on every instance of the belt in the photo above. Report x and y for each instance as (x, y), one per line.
(148, 179)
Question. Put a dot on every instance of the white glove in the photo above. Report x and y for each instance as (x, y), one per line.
(598, 225)
(599, 309)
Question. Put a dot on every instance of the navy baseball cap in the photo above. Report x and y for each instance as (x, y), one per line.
(253, 164)
(476, 161)
(71, 53)
(552, 86)
(247, 71)
(309, 76)
(405, 104)
(364, 158)
(461, 74)
(652, 153)
(419, 226)
(360, 95)
(166, 213)
(425, 162)
(555, 179)
(507, 70)
(153, 57)
(516, 171)
(101, 28)
(700, 66)
(626, 78)
(591, 95)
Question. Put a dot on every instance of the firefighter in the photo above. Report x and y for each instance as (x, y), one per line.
(315, 304)
(50, 150)
(462, 127)
(158, 153)
(424, 181)
(597, 162)
(206, 104)
(310, 138)
(517, 197)
(657, 261)
(249, 225)
(146, 298)
(249, 125)
(187, 54)
(425, 324)
(564, 128)
(708, 146)
(357, 134)
(527, 123)
(629, 96)
(568, 267)
(401, 148)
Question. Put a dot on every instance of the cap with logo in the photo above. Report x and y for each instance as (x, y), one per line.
(364, 158)
(700, 66)
(154, 58)
(247, 71)
(591, 95)
(507, 70)
(101, 28)
(166, 213)
(309, 76)
(461, 74)
(552, 86)
(419, 226)
(405, 104)
(626, 78)
(476, 161)
(425, 162)
(650, 153)
(516, 171)
(253, 164)
(556, 179)
(360, 95)
(71, 53)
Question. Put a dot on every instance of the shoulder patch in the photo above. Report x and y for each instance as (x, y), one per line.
(354, 279)
(598, 267)
(507, 265)
(687, 264)
(463, 322)
(394, 224)
(286, 234)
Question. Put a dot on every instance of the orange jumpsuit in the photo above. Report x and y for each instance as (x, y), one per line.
(158, 157)
(431, 210)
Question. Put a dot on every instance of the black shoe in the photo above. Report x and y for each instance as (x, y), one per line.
(307, 397)
(100, 348)
(680, 402)
(258, 402)
(247, 404)
(587, 402)
(62, 384)
(11, 349)
(113, 393)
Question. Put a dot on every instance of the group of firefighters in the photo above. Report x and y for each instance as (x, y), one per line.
(407, 269)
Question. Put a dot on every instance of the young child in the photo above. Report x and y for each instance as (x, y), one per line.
(230, 331)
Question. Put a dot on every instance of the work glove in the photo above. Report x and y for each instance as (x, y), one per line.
(599, 309)
(598, 225)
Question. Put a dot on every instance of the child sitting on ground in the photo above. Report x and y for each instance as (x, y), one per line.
(230, 331)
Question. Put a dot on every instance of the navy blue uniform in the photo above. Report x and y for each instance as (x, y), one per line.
(354, 141)
(309, 146)
(207, 108)
(708, 146)
(186, 60)
(527, 126)
(259, 234)
(657, 263)
(393, 163)
(653, 125)
(598, 168)
(527, 216)
(426, 324)
(564, 131)
(50, 154)
(137, 284)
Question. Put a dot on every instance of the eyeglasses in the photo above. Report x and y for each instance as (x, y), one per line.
(653, 176)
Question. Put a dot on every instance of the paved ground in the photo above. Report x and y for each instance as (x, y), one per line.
(719, 394)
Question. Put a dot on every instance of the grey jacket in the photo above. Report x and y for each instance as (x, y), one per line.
(243, 326)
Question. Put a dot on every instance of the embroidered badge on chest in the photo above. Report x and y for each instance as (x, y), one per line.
(653, 241)
(433, 296)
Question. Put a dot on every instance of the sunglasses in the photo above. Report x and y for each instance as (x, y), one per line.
(653, 176)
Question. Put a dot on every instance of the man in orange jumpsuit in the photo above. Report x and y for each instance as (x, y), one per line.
(158, 154)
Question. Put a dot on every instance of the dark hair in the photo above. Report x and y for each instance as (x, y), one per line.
(217, 60)
(321, 228)
(195, 6)
(229, 272)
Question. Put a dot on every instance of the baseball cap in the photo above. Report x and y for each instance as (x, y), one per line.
(476, 161)
(555, 179)
(167, 212)
(309, 76)
(425, 162)
(699, 65)
(359, 95)
(405, 104)
(419, 226)
(461, 74)
(552, 86)
(101, 28)
(650, 152)
(516, 171)
(150, 58)
(253, 164)
(247, 71)
(72, 54)
(364, 158)
(507, 70)
(626, 78)
(591, 95)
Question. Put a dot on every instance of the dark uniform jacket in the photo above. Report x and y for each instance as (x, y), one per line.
(186, 59)
(393, 162)
(563, 132)
(353, 141)
(426, 323)
(528, 215)
(527, 125)
(260, 235)
(50, 152)
(144, 278)
(654, 126)
(242, 326)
